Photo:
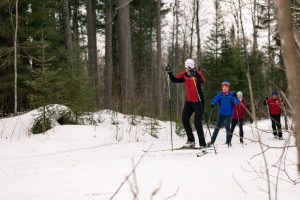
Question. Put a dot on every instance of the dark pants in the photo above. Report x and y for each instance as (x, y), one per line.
(188, 110)
(276, 125)
(234, 122)
(221, 119)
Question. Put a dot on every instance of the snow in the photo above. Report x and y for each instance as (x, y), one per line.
(90, 162)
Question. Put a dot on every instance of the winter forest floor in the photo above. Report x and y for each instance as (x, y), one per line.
(90, 162)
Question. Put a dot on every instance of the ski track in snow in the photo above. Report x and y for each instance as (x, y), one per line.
(90, 162)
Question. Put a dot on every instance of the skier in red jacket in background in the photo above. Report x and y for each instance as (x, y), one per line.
(274, 105)
(192, 80)
(239, 115)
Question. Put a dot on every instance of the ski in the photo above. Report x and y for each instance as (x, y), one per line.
(202, 153)
(176, 149)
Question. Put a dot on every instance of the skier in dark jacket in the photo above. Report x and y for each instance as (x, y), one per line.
(192, 80)
(274, 105)
(225, 101)
(238, 116)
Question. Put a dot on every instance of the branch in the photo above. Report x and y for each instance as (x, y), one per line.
(131, 173)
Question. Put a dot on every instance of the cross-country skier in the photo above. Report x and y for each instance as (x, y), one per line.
(274, 105)
(225, 101)
(192, 80)
(238, 116)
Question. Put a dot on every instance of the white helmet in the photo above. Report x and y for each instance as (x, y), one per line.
(189, 63)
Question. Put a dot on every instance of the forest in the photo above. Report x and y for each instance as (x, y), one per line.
(112, 54)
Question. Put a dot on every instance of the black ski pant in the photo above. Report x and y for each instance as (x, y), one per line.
(276, 125)
(234, 122)
(188, 110)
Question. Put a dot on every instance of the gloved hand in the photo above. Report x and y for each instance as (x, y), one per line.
(169, 69)
(193, 72)
(212, 105)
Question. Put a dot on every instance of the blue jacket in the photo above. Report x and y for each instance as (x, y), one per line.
(225, 103)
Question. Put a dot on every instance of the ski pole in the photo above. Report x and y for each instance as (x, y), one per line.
(202, 110)
(170, 109)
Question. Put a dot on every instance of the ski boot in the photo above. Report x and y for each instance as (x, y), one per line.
(189, 144)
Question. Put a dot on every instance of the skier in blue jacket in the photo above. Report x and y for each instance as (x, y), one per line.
(225, 101)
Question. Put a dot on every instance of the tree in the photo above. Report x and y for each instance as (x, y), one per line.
(108, 54)
(291, 63)
(15, 58)
(199, 48)
(159, 62)
(125, 55)
(92, 47)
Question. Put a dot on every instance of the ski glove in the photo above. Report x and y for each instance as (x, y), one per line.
(193, 72)
(169, 69)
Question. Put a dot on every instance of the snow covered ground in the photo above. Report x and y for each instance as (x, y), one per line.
(90, 162)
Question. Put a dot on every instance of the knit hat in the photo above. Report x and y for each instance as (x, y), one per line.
(189, 63)
(239, 92)
(226, 83)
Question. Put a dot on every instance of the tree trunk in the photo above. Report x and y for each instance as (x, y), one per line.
(252, 96)
(192, 30)
(291, 63)
(177, 56)
(199, 50)
(75, 26)
(15, 59)
(159, 63)
(68, 34)
(92, 46)
(254, 18)
(108, 54)
(125, 55)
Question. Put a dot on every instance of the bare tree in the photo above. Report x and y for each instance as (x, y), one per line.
(159, 62)
(290, 58)
(125, 54)
(199, 49)
(247, 64)
(192, 29)
(15, 58)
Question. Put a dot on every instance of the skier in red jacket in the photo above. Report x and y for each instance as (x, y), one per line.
(238, 116)
(274, 105)
(192, 80)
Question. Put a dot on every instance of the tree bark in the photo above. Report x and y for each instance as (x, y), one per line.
(15, 59)
(75, 26)
(159, 62)
(108, 54)
(92, 46)
(177, 56)
(199, 50)
(68, 34)
(192, 30)
(125, 55)
(291, 63)
(252, 96)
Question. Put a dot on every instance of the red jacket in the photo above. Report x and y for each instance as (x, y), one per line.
(191, 91)
(274, 106)
(239, 110)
